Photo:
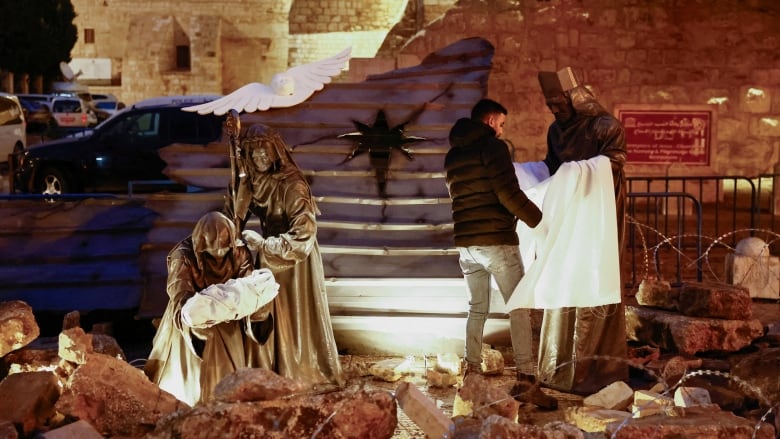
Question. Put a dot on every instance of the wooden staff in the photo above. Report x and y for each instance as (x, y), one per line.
(237, 172)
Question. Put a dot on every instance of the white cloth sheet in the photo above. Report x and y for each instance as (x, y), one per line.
(232, 300)
(571, 257)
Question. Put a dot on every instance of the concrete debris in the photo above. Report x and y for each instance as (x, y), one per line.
(79, 385)
(616, 396)
(423, 411)
(391, 369)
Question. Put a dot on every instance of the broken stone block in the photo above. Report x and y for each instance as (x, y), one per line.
(477, 398)
(760, 371)
(75, 430)
(75, 344)
(448, 363)
(691, 397)
(677, 366)
(115, 397)
(657, 293)
(499, 427)
(17, 326)
(492, 361)
(255, 384)
(440, 379)
(71, 320)
(107, 345)
(594, 419)
(689, 335)
(616, 396)
(715, 300)
(27, 399)
(648, 403)
(391, 369)
(423, 412)
(696, 422)
(41, 354)
(754, 268)
(341, 414)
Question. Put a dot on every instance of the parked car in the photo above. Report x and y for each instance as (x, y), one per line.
(13, 128)
(72, 111)
(122, 149)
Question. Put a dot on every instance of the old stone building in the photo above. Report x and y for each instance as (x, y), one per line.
(678, 55)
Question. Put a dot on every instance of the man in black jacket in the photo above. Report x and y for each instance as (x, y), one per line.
(486, 204)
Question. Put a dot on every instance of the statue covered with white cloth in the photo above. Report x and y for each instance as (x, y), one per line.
(575, 275)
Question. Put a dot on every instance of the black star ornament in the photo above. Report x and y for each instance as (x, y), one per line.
(378, 141)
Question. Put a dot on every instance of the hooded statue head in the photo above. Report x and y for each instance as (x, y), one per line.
(213, 242)
(556, 87)
(566, 96)
(265, 149)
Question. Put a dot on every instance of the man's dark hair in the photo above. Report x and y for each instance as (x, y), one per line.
(485, 107)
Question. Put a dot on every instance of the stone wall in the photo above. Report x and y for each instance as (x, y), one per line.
(634, 52)
(720, 53)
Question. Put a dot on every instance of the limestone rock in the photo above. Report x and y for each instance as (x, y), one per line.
(254, 384)
(693, 423)
(441, 379)
(691, 397)
(41, 354)
(616, 396)
(500, 427)
(492, 361)
(689, 335)
(17, 326)
(657, 293)
(27, 399)
(594, 419)
(391, 369)
(345, 414)
(448, 363)
(75, 344)
(477, 398)
(715, 300)
(758, 271)
(423, 411)
(79, 429)
(760, 371)
(115, 397)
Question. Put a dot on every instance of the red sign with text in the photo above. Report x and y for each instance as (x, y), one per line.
(658, 135)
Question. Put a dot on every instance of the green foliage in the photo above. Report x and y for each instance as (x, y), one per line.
(36, 35)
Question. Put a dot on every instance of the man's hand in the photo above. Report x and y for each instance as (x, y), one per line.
(253, 240)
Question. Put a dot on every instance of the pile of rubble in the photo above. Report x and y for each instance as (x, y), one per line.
(80, 385)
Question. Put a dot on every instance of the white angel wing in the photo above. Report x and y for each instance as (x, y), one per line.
(299, 83)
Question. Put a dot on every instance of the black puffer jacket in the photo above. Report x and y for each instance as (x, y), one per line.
(486, 198)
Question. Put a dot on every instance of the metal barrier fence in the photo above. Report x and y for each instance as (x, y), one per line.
(766, 200)
(672, 218)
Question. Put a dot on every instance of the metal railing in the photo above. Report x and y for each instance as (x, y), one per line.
(670, 219)
(644, 240)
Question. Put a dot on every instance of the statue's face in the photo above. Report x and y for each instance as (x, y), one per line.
(561, 108)
(262, 157)
(212, 239)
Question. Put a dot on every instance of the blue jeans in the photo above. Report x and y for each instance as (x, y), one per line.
(502, 263)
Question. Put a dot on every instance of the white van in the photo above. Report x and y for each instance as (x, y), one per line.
(72, 111)
(13, 128)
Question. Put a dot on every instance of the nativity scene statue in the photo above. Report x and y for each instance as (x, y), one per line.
(217, 318)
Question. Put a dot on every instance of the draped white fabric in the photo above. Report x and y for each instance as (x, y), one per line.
(571, 257)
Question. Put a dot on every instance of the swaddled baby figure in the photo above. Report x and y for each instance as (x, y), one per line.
(232, 300)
